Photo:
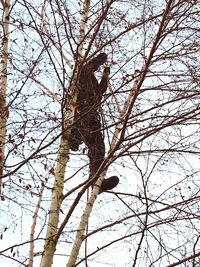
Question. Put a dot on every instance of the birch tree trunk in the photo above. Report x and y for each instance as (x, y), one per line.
(63, 156)
(3, 84)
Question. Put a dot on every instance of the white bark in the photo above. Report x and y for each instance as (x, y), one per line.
(83, 24)
(56, 201)
(32, 235)
(62, 159)
(80, 235)
(3, 83)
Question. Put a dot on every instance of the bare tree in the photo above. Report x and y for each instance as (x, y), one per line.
(51, 206)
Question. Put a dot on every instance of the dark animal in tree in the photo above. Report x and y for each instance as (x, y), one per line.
(87, 129)
(109, 183)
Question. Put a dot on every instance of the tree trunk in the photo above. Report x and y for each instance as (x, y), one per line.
(3, 85)
(63, 157)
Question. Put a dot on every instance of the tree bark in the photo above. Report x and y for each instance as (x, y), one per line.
(3, 85)
(63, 157)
